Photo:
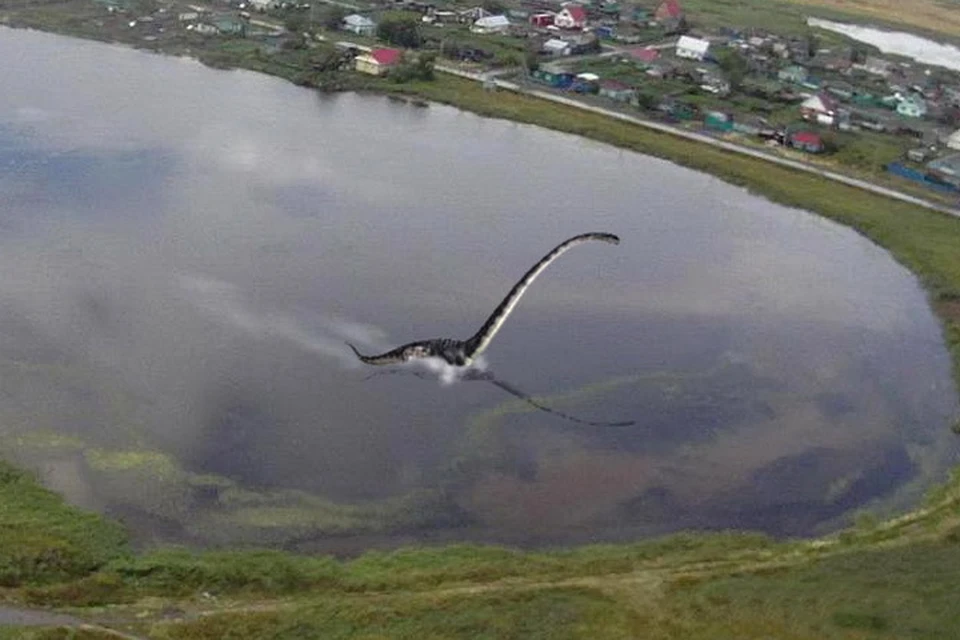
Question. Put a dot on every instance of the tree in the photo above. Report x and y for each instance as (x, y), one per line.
(414, 67)
(734, 65)
(400, 30)
(813, 44)
(494, 6)
(332, 17)
(297, 23)
(531, 60)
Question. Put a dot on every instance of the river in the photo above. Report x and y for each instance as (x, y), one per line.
(186, 251)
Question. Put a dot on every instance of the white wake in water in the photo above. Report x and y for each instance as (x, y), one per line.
(225, 303)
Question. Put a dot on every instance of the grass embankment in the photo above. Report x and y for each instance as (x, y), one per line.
(887, 580)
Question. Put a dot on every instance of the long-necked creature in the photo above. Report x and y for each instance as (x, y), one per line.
(463, 352)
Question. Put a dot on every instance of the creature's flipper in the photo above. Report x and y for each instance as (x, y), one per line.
(475, 345)
(488, 377)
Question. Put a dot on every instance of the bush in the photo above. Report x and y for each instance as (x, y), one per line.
(42, 539)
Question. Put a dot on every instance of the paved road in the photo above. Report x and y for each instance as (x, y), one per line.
(706, 139)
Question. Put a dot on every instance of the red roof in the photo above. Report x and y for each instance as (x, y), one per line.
(644, 54)
(614, 85)
(806, 137)
(386, 57)
(669, 9)
(577, 12)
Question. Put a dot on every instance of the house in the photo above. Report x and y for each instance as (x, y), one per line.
(360, 25)
(806, 141)
(912, 106)
(377, 62)
(669, 14)
(715, 84)
(586, 83)
(542, 20)
(471, 15)
(203, 28)
(794, 73)
(877, 66)
(556, 47)
(946, 169)
(555, 77)
(491, 24)
(953, 140)
(841, 90)
(604, 32)
(692, 48)
(638, 14)
(263, 5)
(572, 16)
(616, 90)
(718, 121)
(819, 107)
(643, 55)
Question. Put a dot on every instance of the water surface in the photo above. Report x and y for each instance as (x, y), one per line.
(185, 252)
(918, 48)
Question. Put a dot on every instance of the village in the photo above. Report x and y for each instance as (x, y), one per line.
(809, 93)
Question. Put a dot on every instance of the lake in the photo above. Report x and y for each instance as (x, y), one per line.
(186, 252)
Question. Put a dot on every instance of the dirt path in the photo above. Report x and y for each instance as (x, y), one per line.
(19, 617)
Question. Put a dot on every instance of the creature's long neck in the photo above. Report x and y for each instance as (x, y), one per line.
(475, 345)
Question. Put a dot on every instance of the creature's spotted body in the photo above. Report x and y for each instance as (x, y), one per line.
(462, 352)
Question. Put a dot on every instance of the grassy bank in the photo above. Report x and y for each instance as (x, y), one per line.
(883, 580)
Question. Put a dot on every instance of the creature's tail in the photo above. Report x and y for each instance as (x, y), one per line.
(390, 357)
